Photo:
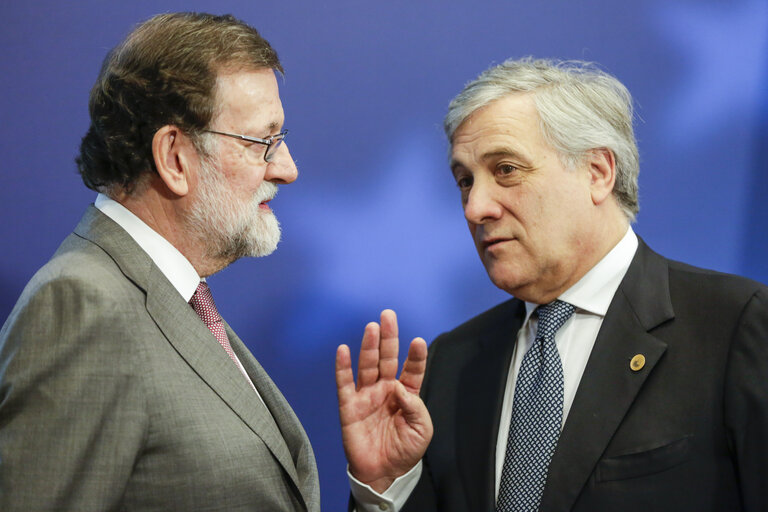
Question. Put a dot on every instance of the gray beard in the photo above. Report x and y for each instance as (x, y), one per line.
(228, 228)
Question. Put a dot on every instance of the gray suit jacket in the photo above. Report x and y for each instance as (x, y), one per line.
(115, 396)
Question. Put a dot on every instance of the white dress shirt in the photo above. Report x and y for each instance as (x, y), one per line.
(590, 296)
(174, 265)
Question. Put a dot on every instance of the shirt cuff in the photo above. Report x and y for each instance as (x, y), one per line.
(392, 500)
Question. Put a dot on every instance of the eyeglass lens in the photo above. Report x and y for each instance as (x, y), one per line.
(272, 148)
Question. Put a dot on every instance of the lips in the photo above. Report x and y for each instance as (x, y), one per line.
(266, 192)
(490, 242)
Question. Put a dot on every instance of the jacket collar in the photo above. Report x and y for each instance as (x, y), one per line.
(195, 344)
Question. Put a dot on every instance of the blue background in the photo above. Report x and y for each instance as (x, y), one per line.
(374, 220)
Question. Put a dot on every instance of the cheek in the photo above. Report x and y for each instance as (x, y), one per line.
(473, 232)
(243, 179)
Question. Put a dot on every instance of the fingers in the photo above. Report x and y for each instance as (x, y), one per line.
(389, 345)
(378, 355)
(368, 364)
(414, 366)
(345, 381)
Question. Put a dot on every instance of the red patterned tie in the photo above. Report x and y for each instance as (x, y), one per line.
(202, 303)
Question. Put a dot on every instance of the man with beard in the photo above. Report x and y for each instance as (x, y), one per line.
(121, 388)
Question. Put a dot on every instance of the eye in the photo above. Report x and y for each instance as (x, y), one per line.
(464, 182)
(506, 169)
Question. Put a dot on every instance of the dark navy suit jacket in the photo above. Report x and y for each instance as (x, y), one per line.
(687, 432)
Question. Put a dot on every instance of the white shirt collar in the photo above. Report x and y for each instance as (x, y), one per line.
(595, 290)
(174, 266)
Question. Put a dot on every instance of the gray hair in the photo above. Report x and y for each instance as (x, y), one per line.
(581, 108)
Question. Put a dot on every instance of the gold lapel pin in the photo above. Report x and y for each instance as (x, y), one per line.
(637, 363)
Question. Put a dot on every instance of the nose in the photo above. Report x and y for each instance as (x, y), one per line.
(480, 205)
(282, 168)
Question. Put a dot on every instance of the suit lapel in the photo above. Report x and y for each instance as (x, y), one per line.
(188, 334)
(482, 384)
(608, 386)
(197, 346)
(297, 456)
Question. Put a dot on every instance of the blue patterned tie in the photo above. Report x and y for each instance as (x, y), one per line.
(537, 414)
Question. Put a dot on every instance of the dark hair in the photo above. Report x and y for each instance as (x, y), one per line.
(163, 73)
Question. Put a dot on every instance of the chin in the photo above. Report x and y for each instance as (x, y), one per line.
(505, 283)
(264, 235)
(511, 282)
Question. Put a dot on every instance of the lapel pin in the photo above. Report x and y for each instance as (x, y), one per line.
(637, 363)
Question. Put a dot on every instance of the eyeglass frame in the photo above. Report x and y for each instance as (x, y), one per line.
(272, 140)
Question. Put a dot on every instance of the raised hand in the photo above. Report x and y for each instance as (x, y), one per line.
(385, 426)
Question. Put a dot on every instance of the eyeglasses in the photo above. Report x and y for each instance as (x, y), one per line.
(272, 142)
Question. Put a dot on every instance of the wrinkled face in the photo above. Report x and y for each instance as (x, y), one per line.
(527, 213)
(230, 214)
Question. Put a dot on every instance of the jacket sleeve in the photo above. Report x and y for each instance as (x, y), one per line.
(746, 401)
(72, 419)
(423, 498)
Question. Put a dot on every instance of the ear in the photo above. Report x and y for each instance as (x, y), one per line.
(174, 153)
(602, 174)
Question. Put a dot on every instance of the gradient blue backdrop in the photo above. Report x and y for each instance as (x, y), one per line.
(374, 220)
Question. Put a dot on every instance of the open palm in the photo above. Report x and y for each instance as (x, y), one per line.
(385, 426)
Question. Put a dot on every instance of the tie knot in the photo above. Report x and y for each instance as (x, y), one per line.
(552, 316)
(202, 303)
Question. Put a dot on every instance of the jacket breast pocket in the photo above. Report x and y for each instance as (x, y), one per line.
(646, 462)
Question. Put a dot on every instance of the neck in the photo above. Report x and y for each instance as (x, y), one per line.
(588, 248)
(164, 213)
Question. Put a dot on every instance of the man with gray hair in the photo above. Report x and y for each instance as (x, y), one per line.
(121, 388)
(615, 379)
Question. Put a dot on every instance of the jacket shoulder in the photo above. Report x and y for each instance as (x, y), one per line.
(481, 325)
(728, 283)
(79, 276)
(704, 288)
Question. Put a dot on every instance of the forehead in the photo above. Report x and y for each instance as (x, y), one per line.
(510, 123)
(248, 100)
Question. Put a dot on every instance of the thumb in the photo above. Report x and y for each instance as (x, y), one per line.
(414, 410)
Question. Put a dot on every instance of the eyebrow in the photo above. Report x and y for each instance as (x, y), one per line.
(504, 151)
(495, 153)
(270, 129)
